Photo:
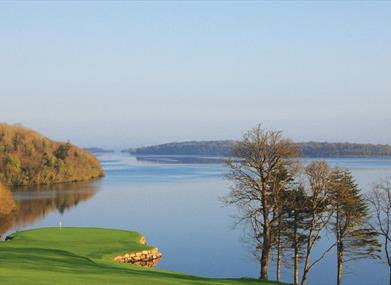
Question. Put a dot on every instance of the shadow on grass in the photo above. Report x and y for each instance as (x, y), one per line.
(65, 262)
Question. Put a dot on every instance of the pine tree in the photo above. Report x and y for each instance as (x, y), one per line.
(283, 181)
(295, 220)
(353, 239)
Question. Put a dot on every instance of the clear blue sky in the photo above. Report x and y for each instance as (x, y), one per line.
(135, 73)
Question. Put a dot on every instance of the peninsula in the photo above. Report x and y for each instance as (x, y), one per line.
(28, 158)
(87, 256)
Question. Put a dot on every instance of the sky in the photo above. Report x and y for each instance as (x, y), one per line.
(125, 74)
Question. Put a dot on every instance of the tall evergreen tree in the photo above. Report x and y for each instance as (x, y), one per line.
(283, 181)
(295, 220)
(353, 239)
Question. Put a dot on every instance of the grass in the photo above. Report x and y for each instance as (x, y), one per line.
(85, 256)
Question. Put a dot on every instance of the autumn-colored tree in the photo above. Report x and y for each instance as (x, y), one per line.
(28, 158)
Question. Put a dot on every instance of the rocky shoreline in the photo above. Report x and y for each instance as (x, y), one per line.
(148, 258)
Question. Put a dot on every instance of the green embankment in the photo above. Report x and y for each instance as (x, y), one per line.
(84, 256)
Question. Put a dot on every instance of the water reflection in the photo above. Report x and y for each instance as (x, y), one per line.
(26, 205)
(7, 206)
(180, 159)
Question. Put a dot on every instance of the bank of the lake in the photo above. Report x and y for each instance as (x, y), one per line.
(85, 256)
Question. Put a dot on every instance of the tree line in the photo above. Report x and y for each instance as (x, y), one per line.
(288, 207)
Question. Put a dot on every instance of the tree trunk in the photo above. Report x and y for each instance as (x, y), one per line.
(279, 253)
(306, 270)
(278, 271)
(264, 264)
(296, 255)
(296, 277)
(266, 246)
(340, 248)
(307, 259)
(340, 266)
(265, 252)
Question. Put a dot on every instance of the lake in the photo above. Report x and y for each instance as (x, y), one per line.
(175, 202)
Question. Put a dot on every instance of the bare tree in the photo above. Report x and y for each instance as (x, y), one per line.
(261, 154)
(317, 176)
(380, 201)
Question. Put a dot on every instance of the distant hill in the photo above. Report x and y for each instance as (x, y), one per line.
(27, 158)
(324, 149)
(224, 148)
(215, 148)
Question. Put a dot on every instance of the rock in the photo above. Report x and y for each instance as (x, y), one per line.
(147, 258)
(142, 240)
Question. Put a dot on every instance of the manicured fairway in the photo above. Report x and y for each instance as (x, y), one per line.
(84, 256)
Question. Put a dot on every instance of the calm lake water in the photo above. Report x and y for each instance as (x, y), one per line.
(177, 207)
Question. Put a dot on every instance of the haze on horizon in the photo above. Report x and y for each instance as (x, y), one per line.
(138, 73)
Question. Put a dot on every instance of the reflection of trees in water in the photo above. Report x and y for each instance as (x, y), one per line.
(6, 201)
(30, 204)
(181, 159)
(7, 207)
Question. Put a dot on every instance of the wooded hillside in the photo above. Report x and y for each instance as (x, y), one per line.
(27, 158)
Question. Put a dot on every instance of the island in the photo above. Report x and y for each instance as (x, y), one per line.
(28, 158)
(88, 256)
(223, 148)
